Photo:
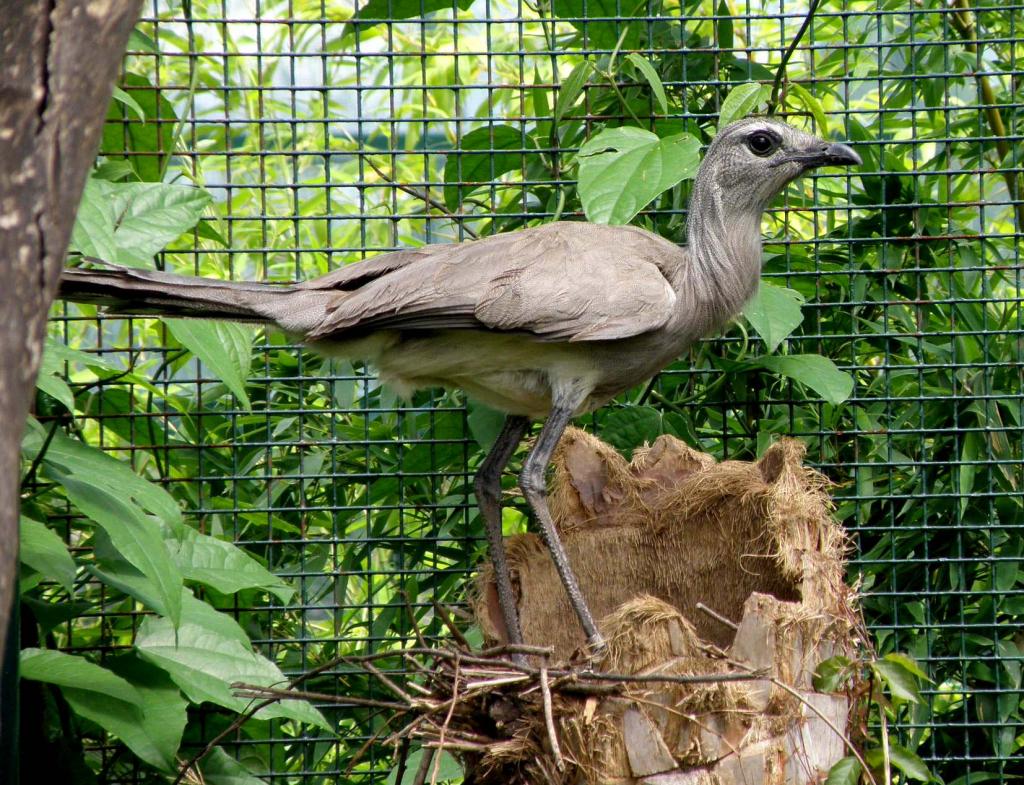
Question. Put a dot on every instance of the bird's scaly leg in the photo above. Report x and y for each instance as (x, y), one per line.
(534, 486)
(488, 497)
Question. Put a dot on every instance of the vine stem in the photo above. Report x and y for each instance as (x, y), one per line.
(780, 72)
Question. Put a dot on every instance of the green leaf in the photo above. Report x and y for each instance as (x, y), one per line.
(647, 71)
(901, 758)
(465, 170)
(144, 145)
(135, 536)
(602, 21)
(46, 553)
(156, 736)
(622, 169)
(741, 101)
(129, 223)
(817, 372)
(204, 664)
(376, 12)
(129, 102)
(221, 565)
(844, 772)
(56, 388)
(68, 670)
(93, 232)
(570, 89)
(224, 348)
(907, 663)
(630, 427)
(774, 312)
(449, 769)
(832, 674)
(811, 104)
(485, 423)
(219, 768)
(901, 682)
(114, 477)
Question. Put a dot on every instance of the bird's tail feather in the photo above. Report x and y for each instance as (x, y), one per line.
(128, 290)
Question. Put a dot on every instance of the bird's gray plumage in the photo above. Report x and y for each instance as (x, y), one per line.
(555, 319)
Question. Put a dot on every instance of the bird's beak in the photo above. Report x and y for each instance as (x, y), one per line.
(825, 154)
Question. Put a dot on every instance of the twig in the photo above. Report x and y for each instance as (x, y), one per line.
(459, 219)
(717, 616)
(441, 611)
(549, 719)
(424, 767)
(781, 70)
(447, 720)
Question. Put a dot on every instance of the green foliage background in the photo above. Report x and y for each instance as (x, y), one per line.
(281, 139)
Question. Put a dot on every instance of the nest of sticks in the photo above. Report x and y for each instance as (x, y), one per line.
(720, 590)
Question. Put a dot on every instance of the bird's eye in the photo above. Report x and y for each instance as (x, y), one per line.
(761, 143)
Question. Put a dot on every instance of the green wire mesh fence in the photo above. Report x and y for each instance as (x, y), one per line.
(323, 133)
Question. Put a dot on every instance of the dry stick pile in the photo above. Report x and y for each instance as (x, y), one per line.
(720, 588)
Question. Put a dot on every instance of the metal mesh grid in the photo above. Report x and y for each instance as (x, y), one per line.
(324, 141)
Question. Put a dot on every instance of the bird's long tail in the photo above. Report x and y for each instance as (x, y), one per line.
(128, 290)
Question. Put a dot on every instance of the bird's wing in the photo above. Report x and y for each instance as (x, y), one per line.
(560, 282)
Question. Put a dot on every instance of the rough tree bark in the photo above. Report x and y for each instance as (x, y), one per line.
(58, 60)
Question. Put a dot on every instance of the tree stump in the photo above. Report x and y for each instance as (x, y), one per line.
(729, 570)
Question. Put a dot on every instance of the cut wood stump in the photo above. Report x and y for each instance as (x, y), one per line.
(730, 572)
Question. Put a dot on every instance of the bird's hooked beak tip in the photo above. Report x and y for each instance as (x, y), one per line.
(833, 154)
(837, 154)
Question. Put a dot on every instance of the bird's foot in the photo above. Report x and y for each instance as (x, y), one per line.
(594, 652)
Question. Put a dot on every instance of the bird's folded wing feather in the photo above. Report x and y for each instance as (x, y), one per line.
(555, 283)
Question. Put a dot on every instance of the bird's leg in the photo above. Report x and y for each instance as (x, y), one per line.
(488, 498)
(534, 487)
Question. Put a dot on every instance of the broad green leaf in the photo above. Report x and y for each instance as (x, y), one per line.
(156, 736)
(741, 101)
(224, 348)
(150, 215)
(811, 104)
(602, 21)
(57, 353)
(95, 222)
(485, 423)
(448, 769)
(908, 663)
(376, 12)
(56, 388)
(128, 101)
(901, 758)
(135, 536)
(219, 768)
(570, 89)
(221, 565)
(844, 772)
(817, 372)
(901, 682)
(480, 160)
(115, 477)
(68, 670)
(647, 71)
(204, 664)
(46, 553)
(630, 427)
(125, 137)
(622, 169)
(832, 674)
(774, 312)
(129, 223)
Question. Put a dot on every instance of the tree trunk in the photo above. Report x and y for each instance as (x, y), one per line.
(58, 60)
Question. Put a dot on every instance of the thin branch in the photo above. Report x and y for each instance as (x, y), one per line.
(780, 72)
(549, 720)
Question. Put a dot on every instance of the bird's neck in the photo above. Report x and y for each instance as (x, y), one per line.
(724, 243)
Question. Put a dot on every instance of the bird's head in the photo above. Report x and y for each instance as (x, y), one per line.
(751, 161)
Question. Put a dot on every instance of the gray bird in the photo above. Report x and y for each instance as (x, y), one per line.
(544, 323)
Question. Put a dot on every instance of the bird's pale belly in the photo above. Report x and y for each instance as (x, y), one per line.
(509, 373)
